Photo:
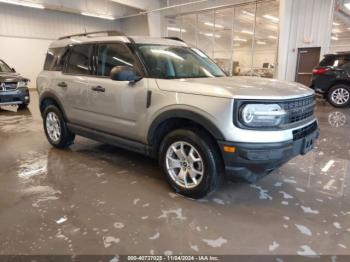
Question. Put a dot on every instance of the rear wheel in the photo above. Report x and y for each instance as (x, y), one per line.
(190, 162)
(56, 129)
(339, 96)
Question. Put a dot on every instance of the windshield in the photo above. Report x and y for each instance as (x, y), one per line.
(4, 68)
(173, 62)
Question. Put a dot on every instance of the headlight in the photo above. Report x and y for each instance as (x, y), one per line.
(22, 84)
(262, 115)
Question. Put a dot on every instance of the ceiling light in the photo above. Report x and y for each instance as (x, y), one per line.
(213, 25)
(108, 17)
(176, 29)
(261, 42)
(247, 32)
(272, 37)
(26, 4)
(248, 13)
(335, 38)
(240, 39)
(347, 5)
(236, 45)
(272, 18)
(334, 23)
(212, 35)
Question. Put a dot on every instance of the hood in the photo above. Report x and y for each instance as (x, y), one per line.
(237, 87)
(11, 77)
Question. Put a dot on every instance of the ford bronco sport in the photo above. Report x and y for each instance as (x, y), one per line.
(167, 100)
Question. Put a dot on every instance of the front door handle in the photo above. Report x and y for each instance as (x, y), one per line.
(62, 84)
(98, 89)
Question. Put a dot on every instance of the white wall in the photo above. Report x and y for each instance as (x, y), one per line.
(25, 55)
(302, 24)
(25, 34)
(135, 26)
(340, 46)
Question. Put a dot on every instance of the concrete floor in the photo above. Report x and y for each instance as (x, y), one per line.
(98, 199)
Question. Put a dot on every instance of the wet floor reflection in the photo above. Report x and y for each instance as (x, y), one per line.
(95, 198)
(15, 121)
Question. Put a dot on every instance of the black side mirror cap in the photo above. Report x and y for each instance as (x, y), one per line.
(125, 73)
(13, 70)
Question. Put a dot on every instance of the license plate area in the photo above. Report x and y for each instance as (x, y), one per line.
(308, 144)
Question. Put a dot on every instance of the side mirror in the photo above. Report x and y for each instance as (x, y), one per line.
(13, 70)
(125, 73)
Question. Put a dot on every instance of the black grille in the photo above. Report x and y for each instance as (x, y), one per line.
(305, 131)
(298, 109)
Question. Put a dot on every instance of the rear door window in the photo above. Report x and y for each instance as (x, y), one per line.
(79, 62)
(336, 60)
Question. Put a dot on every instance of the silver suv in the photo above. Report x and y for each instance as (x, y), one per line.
(168, 100)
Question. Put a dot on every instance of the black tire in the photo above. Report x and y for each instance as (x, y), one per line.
(23, 106)
(331, 96)
(66, 137)
(208, 152)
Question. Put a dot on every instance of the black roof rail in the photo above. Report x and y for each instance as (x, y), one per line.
(108, 32)
(174, 38)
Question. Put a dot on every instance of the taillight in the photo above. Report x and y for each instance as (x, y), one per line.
(320, 71)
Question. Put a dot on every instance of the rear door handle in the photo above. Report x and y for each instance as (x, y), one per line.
(62, 84)
(98, 89)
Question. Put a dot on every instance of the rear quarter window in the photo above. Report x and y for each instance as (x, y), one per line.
(336, 60)
(55, 59)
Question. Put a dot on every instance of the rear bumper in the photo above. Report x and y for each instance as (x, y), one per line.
(259, 159)
(16, 97)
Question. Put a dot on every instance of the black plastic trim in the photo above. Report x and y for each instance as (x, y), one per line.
(149, 99)
(185, 114)
(262, 158)
(52, 96)
(110, 139)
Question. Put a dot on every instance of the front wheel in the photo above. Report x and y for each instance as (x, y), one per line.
(339, 96)
(190, 162)
(56, 129)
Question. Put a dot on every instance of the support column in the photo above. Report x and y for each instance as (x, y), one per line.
(302, 24)
(154, 24)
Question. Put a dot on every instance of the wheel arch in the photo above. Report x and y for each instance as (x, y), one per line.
(340, 82)
(177, 118)
(49, 98)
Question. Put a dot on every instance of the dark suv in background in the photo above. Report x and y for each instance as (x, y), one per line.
(332, 79)
(13, 87)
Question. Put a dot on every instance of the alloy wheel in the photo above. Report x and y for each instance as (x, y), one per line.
(340, 96)
(184, 164)
(53, 126)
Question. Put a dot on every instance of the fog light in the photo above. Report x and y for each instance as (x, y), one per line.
(26, 97)
(229, 149)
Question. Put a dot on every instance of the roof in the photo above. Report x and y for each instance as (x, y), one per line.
(339, 53)
(111, 36)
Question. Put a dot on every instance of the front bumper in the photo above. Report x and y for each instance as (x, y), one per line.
(16, 97)
(253, 160)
